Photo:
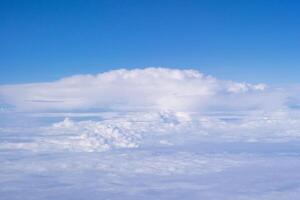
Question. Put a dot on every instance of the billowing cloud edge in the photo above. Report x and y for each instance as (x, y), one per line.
(139, 89)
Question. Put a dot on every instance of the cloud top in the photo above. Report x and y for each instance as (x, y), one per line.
(137, 89)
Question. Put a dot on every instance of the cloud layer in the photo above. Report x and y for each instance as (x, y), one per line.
(170, 134)
(134, 130)
(138, 89)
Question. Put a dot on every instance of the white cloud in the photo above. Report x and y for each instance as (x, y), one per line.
(134, 130)
(138, 89)
(151, 102)
(171, 133)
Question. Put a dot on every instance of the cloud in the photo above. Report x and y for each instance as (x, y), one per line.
(134, 130)
(139, 89)
(228, 138)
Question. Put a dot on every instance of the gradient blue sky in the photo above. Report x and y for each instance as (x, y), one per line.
(241, 40)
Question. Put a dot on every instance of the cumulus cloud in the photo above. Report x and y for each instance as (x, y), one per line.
(164, 128)
(139, 89)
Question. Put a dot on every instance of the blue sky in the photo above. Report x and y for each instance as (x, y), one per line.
(252, 41)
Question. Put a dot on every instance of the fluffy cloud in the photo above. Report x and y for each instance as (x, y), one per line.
(139, 89)
(133, 130)
(186, 134)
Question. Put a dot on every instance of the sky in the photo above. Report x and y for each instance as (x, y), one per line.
(246, 41)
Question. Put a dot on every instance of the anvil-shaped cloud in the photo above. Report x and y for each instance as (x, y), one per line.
(141, 89)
